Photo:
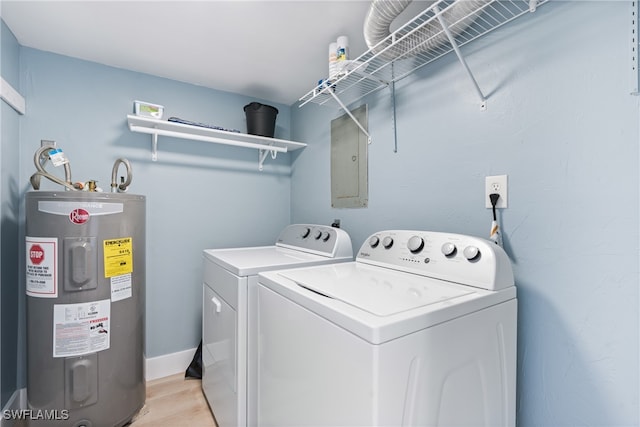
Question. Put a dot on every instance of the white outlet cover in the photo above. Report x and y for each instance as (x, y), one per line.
(496, 184)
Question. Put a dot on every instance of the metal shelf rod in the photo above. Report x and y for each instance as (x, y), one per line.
(394, 123)
(454, 45)
(351, 115)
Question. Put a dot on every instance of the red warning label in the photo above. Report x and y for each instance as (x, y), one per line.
(36, 254)
(42, 266)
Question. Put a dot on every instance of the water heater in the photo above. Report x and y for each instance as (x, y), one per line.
(85, 284)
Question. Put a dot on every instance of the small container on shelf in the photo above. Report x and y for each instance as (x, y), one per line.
(147, 109)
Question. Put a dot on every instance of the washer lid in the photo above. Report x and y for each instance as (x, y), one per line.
(378, 304)
(379, 291)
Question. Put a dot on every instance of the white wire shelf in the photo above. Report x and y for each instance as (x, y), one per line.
(399, 55)
(155, 127)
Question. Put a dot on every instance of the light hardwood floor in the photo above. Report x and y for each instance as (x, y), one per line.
(174, 402)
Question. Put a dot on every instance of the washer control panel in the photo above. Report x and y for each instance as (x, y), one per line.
(317, 239)
(458, 258)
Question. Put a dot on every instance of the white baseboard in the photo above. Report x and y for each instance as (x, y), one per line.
(17, 401)
(168, 364)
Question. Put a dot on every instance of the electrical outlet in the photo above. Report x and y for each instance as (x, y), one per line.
(496, 184)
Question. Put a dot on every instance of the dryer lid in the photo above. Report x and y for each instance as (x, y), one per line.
(379, 291)
(250, 261)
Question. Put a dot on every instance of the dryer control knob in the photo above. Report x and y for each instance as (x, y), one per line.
(415, 244)
(325, 236)
(387, 242)
(374, 241)
(305, 232)
(318, 234)
(448, 249)
(471, 253)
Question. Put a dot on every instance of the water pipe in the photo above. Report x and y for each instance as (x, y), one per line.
(40, 171)
(122, 187)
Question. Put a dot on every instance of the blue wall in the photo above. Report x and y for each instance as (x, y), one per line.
(561, 123)
(199, 195)
(10, 297)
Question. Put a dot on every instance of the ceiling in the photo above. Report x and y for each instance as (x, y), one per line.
(272, 50)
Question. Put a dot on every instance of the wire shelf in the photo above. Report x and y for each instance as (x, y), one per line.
(416, 44)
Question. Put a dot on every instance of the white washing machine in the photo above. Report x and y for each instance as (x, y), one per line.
(229, 308)
(420, 330)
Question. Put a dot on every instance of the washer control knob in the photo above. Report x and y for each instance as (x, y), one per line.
(387, 242)
(471, 253)
(317, 235)
(325, 236)
(305, 232)
(448, 249)
(415, 244)
(374, 241)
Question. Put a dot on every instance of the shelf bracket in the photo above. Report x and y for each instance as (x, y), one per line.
(346, 110)
(454, 45)
(154, 147)
(262, 155)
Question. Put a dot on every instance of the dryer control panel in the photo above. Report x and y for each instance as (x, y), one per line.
(316, 239)
(456, 258)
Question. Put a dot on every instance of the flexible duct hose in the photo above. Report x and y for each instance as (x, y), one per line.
(382, 13)
(40, 171)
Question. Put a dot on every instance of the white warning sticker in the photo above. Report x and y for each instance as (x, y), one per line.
(42, 267)
(81, 328)
(120, 287)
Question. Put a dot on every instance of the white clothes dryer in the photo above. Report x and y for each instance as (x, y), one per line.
(420, 330)
(228, 312)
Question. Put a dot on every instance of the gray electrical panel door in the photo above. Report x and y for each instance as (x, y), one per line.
(349, 175)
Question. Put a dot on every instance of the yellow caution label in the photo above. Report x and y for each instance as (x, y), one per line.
(118, 256)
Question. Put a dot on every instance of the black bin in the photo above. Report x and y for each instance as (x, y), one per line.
(261, 119)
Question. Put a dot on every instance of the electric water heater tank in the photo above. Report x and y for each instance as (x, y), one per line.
(85, 283)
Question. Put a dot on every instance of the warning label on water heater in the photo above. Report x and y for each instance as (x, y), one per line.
(81, 328)
(121, 287)
(42, 267)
